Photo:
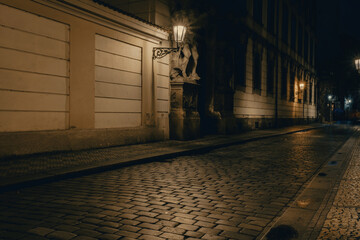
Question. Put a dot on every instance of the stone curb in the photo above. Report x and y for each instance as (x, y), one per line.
(78, 171)
(305, 213)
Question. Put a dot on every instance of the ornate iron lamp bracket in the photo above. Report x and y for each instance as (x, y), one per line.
(162, 52)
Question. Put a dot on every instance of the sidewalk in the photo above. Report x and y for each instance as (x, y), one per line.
(341, 218)
(316, 213)
(22, 171)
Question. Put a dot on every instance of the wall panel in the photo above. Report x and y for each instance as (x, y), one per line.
(118, 85)
(34, 72)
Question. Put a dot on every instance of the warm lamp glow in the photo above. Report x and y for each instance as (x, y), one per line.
(302, 86)
(179, 33)
(357, 64)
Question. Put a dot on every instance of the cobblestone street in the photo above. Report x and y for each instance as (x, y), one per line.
(229, 193)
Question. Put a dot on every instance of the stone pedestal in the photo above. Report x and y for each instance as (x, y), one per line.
(184, 115)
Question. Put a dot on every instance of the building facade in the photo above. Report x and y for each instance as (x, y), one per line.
(78, 74)
(279, 85)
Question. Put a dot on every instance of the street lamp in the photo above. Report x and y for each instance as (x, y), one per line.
(357, 64)
(330, 98)
(179, 36)
(302, 87)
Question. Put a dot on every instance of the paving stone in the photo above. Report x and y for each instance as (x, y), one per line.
(210, 231)
(41, 231)
(183, 220)
(66, 228)
(130, 228)
(252, 227)
(107, 229)
(171, 236)
(204, 224)
(173, 230)
(156, 226)
(233, 235)
(188, 227)
(87, 232)
(84, 238)
(150, 232)
(109, 237)
(128, 234)
(194, 234)
(61, 235)
(213, 237)
(228, 228)
(150, 237)
(168, 223)
(147, 219)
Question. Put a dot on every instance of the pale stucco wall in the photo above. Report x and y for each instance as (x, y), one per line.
(73, 69)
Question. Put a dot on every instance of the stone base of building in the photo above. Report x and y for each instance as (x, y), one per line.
(184, 116)
(184, 126)
(21, 143)
(246, 124)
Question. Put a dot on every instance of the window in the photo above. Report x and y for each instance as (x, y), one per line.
(310, 92)
(242, 6)
(312, 47)
(285, 25)
(306, 47)
(293, 32)
(292, 86)
(257, 71)
(270, 17)
(240, 65)
(284, 82)
(270, 71)
(300, 41)
(305, 92)
(257, 11)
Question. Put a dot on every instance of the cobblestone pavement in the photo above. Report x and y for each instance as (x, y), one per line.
(343, 219)
(20, 168)
(229, 193)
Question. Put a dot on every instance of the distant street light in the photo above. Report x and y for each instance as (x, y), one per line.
(330, 98)
(357, 64)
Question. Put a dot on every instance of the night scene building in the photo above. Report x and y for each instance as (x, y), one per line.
(77, 74)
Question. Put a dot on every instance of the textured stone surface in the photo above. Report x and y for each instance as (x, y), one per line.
(229, 193)
(343, 219)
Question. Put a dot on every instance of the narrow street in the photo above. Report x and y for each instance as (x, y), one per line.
(228, 193)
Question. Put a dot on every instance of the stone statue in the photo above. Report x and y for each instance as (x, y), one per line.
(184, 63)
